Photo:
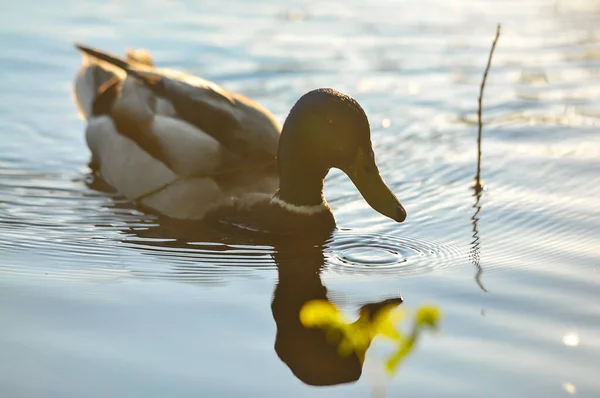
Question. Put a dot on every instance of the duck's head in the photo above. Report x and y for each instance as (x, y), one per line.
(326, 129)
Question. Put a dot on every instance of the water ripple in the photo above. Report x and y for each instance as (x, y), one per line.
(355, 252)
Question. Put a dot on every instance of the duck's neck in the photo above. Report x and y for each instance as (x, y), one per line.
(300, 184)
(301, 169)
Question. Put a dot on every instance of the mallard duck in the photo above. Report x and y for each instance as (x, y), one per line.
(186, 148)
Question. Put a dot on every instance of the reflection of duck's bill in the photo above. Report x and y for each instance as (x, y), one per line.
(365, 175)
(371, 310)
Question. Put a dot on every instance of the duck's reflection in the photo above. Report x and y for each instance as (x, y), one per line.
(308, 353)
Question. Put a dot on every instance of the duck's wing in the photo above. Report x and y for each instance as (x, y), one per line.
(243, 127)
(180, 146)
(95, 75)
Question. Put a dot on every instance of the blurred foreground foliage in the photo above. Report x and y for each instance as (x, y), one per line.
(356, 337)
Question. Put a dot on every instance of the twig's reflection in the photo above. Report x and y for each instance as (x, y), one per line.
(475, 243)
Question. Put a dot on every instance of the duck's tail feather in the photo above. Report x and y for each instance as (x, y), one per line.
(104, 56)
(136, 65)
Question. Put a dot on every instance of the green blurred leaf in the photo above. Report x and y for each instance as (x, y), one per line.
(357, 336)
(428, 316)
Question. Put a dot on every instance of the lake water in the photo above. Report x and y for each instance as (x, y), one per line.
(98, 299)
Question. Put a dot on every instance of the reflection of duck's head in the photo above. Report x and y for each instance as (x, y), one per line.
(306, 351)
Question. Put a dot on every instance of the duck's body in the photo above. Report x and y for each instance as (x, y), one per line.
(176, 144)
(186, 148)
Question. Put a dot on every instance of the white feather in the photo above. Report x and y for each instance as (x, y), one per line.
(85, 91)
(187, 199)
(165, 107)
(123, 164)
(139, 176)
(189, 150)
(133, 102)
(306, 210)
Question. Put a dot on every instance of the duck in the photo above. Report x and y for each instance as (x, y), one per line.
(185, 148)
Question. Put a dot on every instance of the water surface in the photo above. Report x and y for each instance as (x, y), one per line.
(99, 299)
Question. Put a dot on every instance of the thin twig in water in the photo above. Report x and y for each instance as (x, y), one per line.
(478, 186)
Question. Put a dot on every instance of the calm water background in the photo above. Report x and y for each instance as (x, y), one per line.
(97, 300)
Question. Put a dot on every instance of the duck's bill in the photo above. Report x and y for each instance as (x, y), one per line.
(365, 175)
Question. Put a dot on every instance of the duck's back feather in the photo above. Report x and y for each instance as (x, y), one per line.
(182, 147)
(240, 124)
(94, 72)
